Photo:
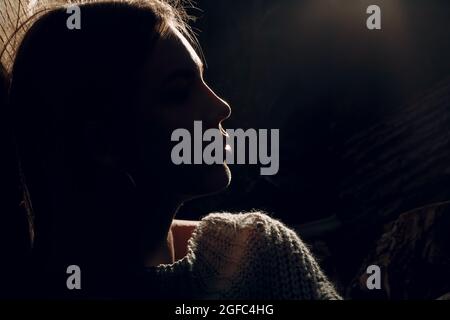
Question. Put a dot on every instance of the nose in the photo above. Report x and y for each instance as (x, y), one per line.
(222, 109)
(226, 109)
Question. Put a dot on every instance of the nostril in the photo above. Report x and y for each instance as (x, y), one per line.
(227, 110)
(222, 107)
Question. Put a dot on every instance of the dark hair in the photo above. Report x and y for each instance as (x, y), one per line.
(72, 93)
(14, 237)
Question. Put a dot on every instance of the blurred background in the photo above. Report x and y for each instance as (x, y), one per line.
(364, 120)
(313, 70)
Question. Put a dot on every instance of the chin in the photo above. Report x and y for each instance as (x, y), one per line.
(206, 180)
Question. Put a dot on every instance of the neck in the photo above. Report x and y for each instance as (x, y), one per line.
(109, 228)
(117, 230)
(157, 246)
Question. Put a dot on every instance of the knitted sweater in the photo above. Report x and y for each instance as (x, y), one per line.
(245, 256)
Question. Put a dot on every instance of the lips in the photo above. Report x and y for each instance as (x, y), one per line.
(225, 135)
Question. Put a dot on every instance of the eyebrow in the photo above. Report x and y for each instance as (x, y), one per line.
(181, 73)
(187, 73)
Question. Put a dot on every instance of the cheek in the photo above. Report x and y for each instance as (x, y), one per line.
(155, 132)
(156, 128)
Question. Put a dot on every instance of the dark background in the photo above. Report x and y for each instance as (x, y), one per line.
(364, 119)
(312, 69)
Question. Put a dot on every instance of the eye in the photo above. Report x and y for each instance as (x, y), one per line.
(178, 91)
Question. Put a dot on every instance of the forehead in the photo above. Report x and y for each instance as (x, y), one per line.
(172, 52)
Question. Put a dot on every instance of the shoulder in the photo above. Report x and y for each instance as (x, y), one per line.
(249, 231)
(237, 227)
(241, 234)
(257, 256)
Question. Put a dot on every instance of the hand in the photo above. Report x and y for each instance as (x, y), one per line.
(182, 231)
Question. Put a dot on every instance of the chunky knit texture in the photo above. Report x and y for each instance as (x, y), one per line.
(245, 256)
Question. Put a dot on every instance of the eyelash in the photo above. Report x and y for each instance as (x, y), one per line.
(178, 95)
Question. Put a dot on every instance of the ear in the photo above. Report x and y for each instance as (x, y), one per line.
(99, 145)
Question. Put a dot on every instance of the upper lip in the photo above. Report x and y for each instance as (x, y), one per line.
(223, 131)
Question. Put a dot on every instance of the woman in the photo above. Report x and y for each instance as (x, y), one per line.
(94, 110)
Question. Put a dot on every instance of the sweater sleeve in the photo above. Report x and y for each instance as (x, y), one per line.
(253, 256)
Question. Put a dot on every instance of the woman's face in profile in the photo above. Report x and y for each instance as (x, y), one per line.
(174, 96)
